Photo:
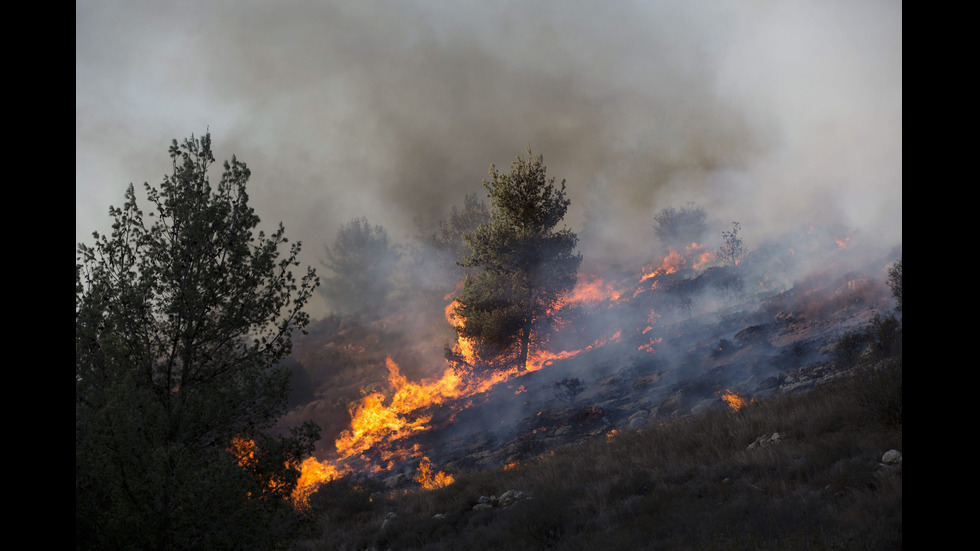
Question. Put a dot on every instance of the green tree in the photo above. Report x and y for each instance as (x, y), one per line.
(680, 227)
(181, 326)
(524, 264)
(362, 263)
(450, 238)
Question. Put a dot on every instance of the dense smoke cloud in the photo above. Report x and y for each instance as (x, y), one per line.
(775, 114)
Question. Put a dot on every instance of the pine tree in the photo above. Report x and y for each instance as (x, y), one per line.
(362, 264)
(524, 264)
(181, 326)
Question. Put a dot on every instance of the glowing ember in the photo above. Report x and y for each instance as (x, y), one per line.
(648, 347)
(734, 401)
(244, 451)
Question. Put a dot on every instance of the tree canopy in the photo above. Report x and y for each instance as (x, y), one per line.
(182, 320)
(680, 227)
(525, 265)
(451, 235)
(361, 262)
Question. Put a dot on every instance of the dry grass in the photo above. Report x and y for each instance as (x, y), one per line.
(690, 484)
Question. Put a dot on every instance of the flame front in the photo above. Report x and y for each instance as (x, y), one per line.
(373, 420)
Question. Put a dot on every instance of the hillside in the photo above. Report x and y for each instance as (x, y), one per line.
(670, 413)
(803, 470)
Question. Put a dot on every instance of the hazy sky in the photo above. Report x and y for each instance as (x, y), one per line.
(773, 113)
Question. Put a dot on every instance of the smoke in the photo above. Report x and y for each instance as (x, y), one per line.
(774, 114)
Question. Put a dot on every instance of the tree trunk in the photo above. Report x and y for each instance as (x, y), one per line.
(525, 344)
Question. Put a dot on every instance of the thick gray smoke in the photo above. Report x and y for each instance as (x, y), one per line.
(775, 114)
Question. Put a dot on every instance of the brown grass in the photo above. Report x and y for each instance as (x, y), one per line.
(690, 484)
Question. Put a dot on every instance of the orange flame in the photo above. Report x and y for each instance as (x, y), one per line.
(734, 401)
(693, 254)
(648, 347)
(431, 481)
(312, 474)
(670, 264)
(372, 420)
(463, 348)
(379, 420)
(591, 288)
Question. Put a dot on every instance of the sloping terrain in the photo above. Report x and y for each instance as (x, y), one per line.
(643, 351)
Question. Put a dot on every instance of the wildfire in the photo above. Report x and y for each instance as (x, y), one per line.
(694, 254)
(373, 420)
(431, 481)
(381, 420)
(592, 288)
(312, 472)
(463, 348)
(244, 450)
(671, 263)
(648, 347)
(734, 401)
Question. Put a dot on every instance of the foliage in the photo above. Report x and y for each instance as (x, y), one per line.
(180, 329)
(885, 336)
(525, 264)
(680, 227)
(362, 263)
(850, 347)
(345, 497)
(732, 250)
(451, 235)
(895, 282)
(874, 356)
(880, 341)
